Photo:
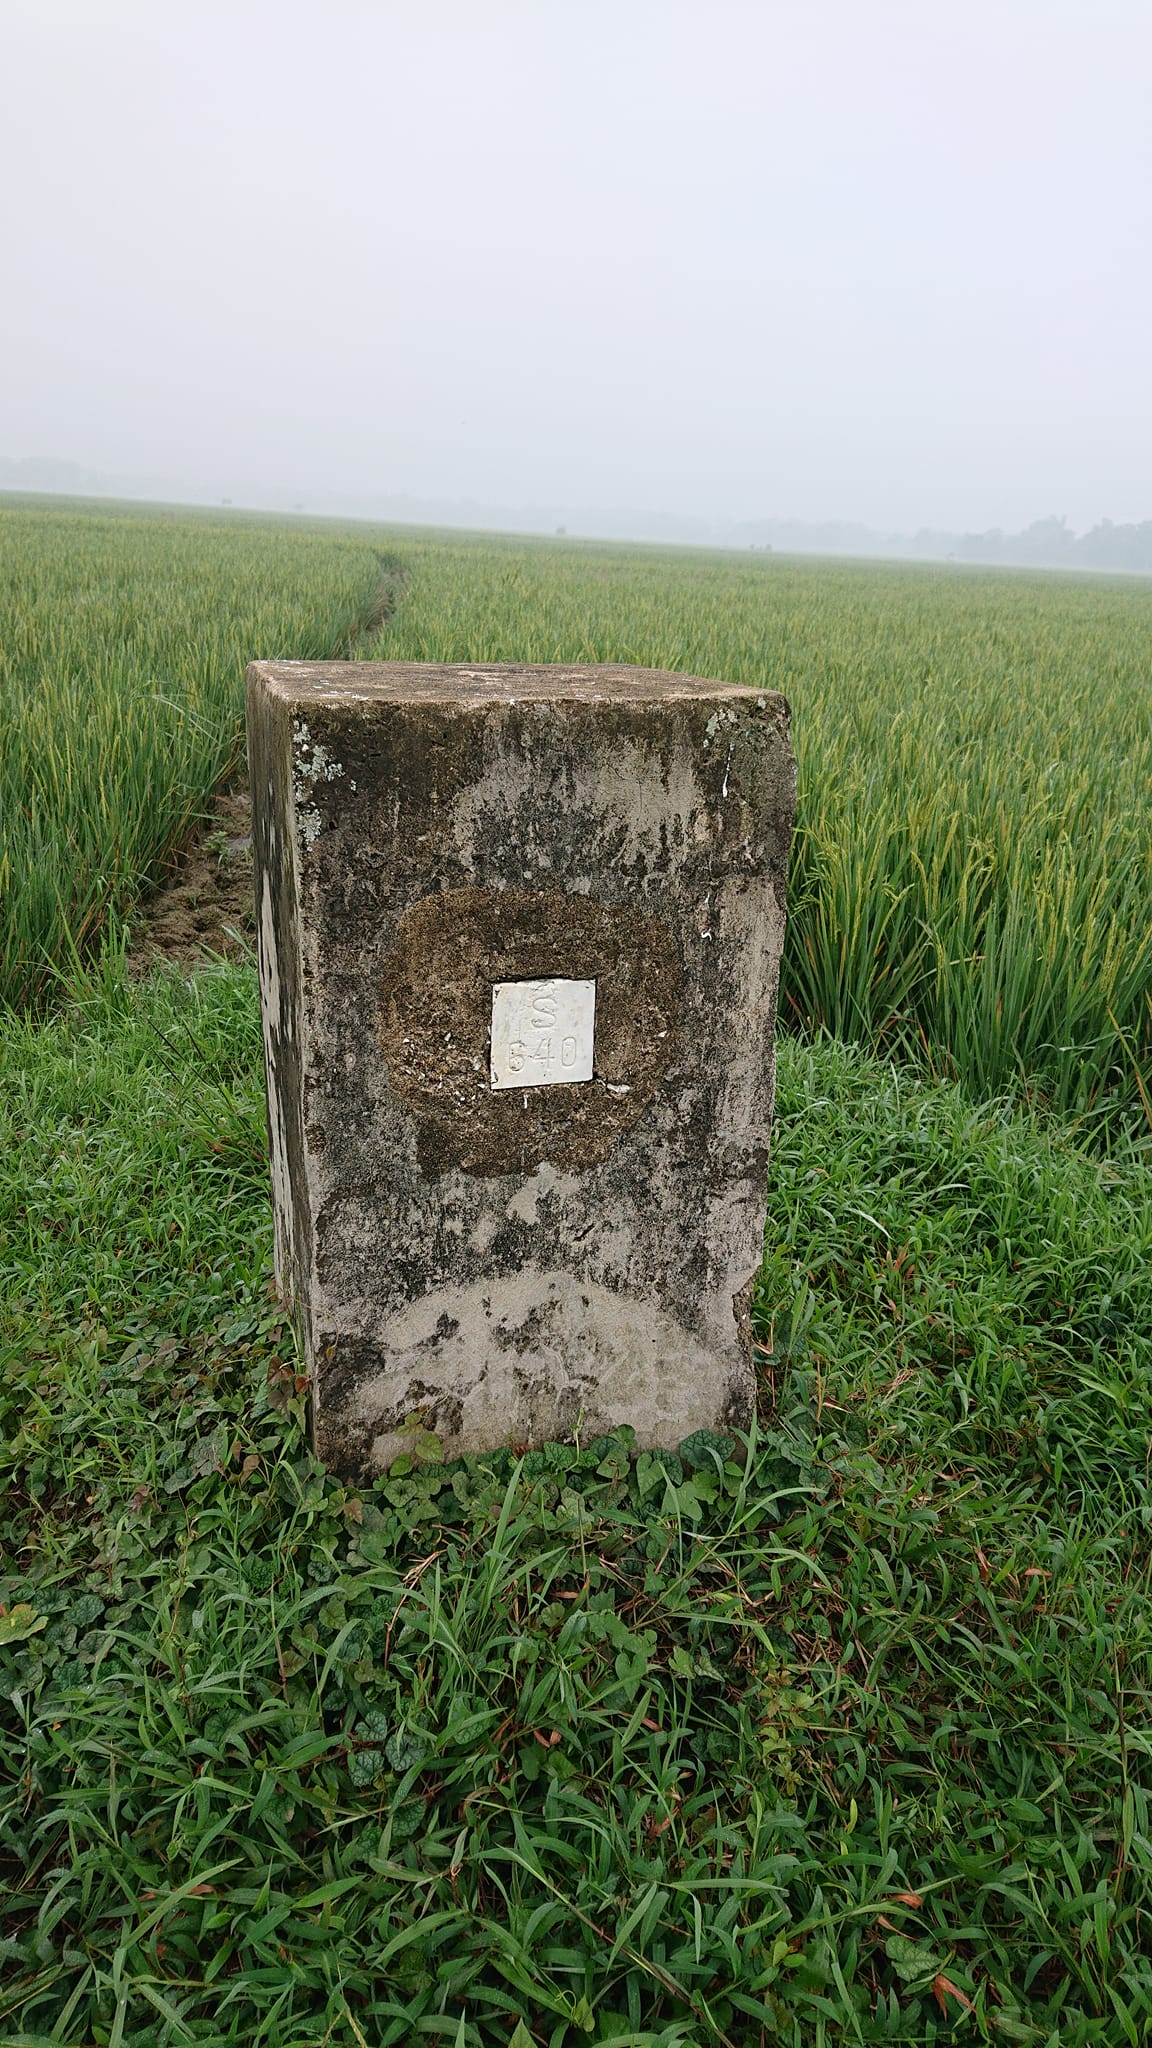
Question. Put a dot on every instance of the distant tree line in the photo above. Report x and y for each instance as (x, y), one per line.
(1046, 544)
(1050, 543)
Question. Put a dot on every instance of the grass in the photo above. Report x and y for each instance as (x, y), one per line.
(839, 1738)
(123, 640)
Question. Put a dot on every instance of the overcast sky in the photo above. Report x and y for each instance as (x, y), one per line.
(885, 260)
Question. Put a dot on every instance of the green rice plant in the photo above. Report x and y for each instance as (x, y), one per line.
(123, 641)
(972, 865)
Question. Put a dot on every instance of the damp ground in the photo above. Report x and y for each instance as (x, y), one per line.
(205, 907)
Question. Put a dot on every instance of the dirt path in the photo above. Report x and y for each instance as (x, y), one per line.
(206, 905)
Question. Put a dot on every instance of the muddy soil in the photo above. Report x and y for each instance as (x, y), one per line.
(205, 906)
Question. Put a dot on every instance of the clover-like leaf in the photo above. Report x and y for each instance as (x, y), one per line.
(406, 1749)
(913, 1961)
(20, 1622)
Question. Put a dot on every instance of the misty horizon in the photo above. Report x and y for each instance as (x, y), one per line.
(767, 262)
(1048, 542)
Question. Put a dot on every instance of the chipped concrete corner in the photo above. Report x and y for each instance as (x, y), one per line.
(512, 1265)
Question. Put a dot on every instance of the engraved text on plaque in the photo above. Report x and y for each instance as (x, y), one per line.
(542, 1032)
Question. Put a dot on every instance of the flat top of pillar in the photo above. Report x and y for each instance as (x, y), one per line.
(408, 682)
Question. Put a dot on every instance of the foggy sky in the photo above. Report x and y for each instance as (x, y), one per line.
(884, 260)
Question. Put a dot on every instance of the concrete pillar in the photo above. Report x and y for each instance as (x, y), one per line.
(520, 933)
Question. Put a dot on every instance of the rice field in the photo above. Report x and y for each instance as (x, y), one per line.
(123, 639)
(972, 868)
(971, 876)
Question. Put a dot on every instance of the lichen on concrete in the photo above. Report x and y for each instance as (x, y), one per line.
(513, 1265)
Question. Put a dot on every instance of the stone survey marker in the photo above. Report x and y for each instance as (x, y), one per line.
(519, 938)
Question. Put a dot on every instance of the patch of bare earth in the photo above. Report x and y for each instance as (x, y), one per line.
(205, 906)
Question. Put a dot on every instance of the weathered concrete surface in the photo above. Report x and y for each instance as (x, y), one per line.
(514, 1266)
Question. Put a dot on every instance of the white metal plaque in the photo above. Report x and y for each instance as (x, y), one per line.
(542, 1032)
